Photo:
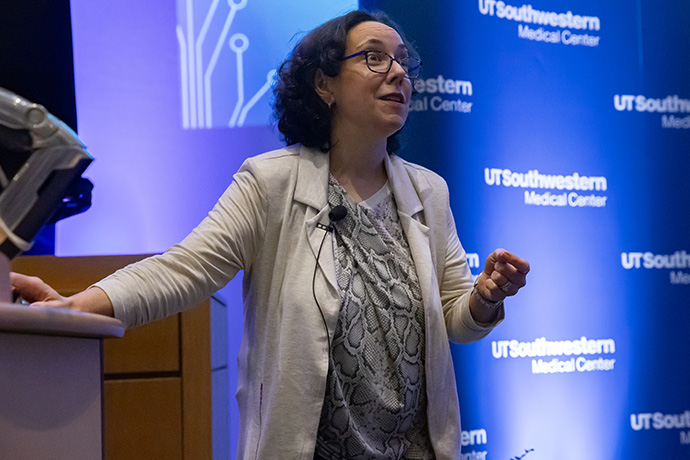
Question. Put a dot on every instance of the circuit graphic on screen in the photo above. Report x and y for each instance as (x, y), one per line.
(229, 52)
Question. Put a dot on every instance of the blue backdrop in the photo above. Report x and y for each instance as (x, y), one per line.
(563, 130)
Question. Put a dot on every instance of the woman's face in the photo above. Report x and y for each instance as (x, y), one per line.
(368, 103)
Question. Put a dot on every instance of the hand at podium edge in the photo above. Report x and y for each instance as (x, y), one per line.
(39, 294)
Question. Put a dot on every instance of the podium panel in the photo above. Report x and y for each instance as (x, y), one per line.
(165, 395)
(51, 397)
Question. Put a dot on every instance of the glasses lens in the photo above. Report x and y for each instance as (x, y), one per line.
(413, 67)
(378, 61)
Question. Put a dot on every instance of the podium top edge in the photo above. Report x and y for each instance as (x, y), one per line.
(57, 321)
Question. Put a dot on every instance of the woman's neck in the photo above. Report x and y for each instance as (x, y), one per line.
(359, 166)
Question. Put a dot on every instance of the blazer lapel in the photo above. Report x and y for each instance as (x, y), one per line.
(407, 192)
(311, 189)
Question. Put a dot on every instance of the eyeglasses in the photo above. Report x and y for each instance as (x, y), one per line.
(380, 62)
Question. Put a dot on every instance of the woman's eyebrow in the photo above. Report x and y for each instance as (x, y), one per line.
(379, 43)
(370, 41)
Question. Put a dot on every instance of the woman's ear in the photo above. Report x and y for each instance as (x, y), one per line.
(323, 87)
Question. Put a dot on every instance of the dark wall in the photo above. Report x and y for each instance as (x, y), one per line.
(36, 63)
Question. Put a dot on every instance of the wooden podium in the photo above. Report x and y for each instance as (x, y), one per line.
(165, 383)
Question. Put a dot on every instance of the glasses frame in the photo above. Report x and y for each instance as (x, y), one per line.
(390, 62)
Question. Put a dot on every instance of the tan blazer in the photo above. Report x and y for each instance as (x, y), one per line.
(266, 224)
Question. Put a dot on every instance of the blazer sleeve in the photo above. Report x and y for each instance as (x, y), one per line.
(455, 287)
(224, 243)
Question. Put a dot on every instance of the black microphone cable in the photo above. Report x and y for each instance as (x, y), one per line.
(337, 213)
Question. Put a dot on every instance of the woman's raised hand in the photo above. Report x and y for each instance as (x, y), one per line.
(504, 275)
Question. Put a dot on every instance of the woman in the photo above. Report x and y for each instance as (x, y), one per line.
(345, 345)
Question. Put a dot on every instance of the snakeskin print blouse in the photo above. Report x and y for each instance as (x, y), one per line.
(375, 402)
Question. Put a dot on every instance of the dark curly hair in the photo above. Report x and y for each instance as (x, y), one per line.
(303, 117)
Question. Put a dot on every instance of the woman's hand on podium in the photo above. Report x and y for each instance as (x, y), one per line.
(39, 294)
